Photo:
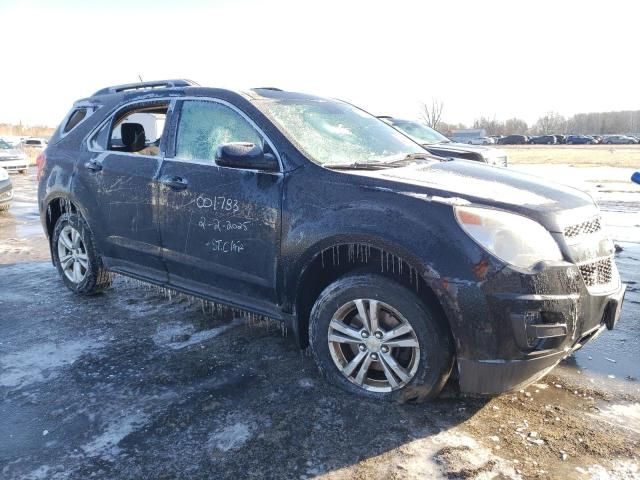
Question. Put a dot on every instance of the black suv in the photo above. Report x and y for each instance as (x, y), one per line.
(396, 267)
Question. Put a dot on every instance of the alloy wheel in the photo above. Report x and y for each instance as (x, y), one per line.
(72, 254)
(373, 345)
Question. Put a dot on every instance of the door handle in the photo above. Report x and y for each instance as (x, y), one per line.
(93, 165)
(174, 183)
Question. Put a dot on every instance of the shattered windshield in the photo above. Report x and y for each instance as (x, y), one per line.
(420, 133)
(336, 133)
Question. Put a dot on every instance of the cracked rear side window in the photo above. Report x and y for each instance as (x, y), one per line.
(204, 126)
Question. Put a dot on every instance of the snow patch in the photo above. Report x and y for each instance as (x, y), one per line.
(180, 335)
(106, 444)
(39, 362)
(230, 437)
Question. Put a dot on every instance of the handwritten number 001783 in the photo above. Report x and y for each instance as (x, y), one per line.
(218, 203)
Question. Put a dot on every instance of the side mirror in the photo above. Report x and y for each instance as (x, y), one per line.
(245, 155)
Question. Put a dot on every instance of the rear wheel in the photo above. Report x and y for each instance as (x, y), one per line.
(374, 337)
(79, 264)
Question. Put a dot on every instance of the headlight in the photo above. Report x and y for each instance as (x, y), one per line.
(3, 174)
(515, 239)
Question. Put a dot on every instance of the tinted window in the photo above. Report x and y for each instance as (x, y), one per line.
(204, 126)
(75, 118)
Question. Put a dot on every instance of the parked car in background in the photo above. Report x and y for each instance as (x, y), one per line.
(13, 140)
(597, 138)
(35, 143)
(13, 159)
(619, 139)
(580, 140)
(482, 141)
(513, 140)
(393, 266)
(6, 190)
(561, 139)
(543, 140)
(439, 145)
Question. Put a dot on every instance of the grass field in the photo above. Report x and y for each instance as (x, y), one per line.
(578, 155)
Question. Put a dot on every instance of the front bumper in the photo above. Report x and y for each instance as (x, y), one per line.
(528, 324)
(15, 165)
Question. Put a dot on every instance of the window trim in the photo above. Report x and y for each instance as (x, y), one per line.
(91, 109)
(175, 121)
(170, 101)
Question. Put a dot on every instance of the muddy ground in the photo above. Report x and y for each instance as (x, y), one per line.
(134, 384)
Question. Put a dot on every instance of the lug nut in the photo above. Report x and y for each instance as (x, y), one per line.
(378, 335)
(362, 347)
(374, 356)
(384, 349)
(364, 334)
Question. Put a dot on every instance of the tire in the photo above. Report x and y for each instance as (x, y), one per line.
(425, 367)
(94, 276)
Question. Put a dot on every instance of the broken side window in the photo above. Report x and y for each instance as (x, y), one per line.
(205, 125)
(139, 130)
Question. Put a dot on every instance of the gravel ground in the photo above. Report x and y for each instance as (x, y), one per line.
(134, 383)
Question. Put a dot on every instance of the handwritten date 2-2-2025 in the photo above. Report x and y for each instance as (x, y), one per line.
(226, 204)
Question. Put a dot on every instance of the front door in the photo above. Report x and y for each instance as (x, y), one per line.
(220, 226)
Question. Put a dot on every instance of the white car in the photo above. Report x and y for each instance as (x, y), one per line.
(35, 143)
(12, 159)
(482, 141)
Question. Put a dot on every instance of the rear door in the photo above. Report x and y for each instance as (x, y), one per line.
(220, 226)
(116, 181)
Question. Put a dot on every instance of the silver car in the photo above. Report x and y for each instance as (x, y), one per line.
(12, 159)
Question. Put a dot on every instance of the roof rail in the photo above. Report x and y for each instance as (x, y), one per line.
(275, 89)
(143, 85)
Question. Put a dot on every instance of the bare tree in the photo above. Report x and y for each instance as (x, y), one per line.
(551, 122)
(431, 114)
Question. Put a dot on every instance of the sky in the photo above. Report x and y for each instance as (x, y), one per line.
(498, 59)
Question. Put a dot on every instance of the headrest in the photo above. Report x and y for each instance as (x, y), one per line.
(133, 136)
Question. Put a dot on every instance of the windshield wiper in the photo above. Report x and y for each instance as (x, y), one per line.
(380, 165)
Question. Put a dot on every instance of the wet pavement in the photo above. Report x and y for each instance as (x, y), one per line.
(134, 383)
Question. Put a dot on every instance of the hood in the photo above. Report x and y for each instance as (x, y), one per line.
(461, 180)
(11, 153)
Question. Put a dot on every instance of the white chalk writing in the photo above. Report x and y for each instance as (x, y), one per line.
(223, 226)
(218, 203)
(225, 246)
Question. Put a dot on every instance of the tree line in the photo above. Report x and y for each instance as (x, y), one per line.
(596, 123)
(20, 130)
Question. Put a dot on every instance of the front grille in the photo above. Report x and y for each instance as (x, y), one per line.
(599, 272)
(585, 228)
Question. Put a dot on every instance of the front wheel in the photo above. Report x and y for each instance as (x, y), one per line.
(74, 254)
(373, 337)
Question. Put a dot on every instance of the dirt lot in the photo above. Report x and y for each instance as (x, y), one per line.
(135, 383)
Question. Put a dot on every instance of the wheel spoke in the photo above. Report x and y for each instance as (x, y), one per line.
(391, 362)
(77, 274)
(336, 337)
(66, 261)
(398, 331)
(66, 241)
(408, 342)
(345, 329)
(363, 314)
(389, 374)
(75, 238)
(353, 364)
(374, 309)
(364, 368)
(84, 260)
